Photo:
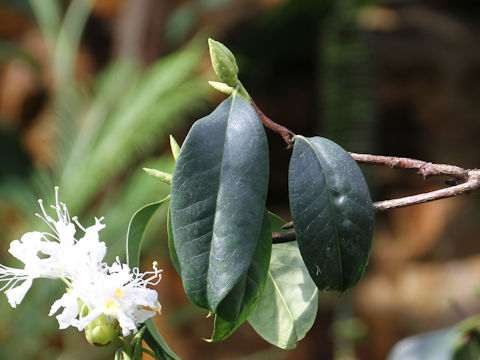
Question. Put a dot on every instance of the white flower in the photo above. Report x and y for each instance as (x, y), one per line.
(51, 255)
(94, 289)
(117, 292)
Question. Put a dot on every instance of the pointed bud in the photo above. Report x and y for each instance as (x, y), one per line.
(223, 62)
(160, 175)
(175, 148)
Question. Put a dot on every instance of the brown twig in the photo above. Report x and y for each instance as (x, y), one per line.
(426, 169)
(285, 133)
(470, 182)
(465, 182)
(278, 238)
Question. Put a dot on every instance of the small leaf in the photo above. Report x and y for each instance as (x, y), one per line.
(218, 193)
(175, 148)
(160, 175)
(332, 212)
(157, 344)
(288, 306)
(137, 228)
(230, 313)
(222, 87)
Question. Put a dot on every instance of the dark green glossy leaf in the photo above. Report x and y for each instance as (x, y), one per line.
(288, 306)
(332, 212)
(136, 230)
(218, 199)
(230, 313)
(157, 344)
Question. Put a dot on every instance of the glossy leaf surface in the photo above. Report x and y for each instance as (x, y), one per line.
(288, 306)
(218, 199)
(332, 212)
(231, 314)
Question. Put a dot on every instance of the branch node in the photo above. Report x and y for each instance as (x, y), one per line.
(287, 135)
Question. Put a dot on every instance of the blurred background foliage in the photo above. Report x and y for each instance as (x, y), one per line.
(90, 90)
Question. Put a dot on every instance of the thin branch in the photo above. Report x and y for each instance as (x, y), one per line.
(472, 183)
(465, 181)
(278, 238)
(471, 178)
(426, 169)
(285, 133)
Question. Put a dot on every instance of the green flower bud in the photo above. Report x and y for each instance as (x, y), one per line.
(100, 331)
(223, 62)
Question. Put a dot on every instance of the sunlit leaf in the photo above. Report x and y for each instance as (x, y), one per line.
(288, 306)
(437, 345)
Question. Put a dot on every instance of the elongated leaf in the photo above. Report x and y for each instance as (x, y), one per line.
(288, 306)
(218, 198)
(136, 230)
(332, 212)
(157, 344)
(230, 313)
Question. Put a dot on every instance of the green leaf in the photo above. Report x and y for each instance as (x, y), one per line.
(136, 231)
(174, 147)
(230, 313)
(288, 306)
(455, 343)
(171, 245)
(157, 344)
(137, 228)
(436, 345)
(332, 212)
(219, 190)
(277, 222)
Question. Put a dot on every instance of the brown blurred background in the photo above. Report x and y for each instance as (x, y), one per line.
(90, 90)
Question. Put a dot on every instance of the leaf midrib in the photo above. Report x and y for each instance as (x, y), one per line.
(216, 200)
(332, 210)
(277, 289)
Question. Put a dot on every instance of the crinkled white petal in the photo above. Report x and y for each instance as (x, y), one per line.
(67, 317)
(94, 288)
(116, 292)
(16, 294)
